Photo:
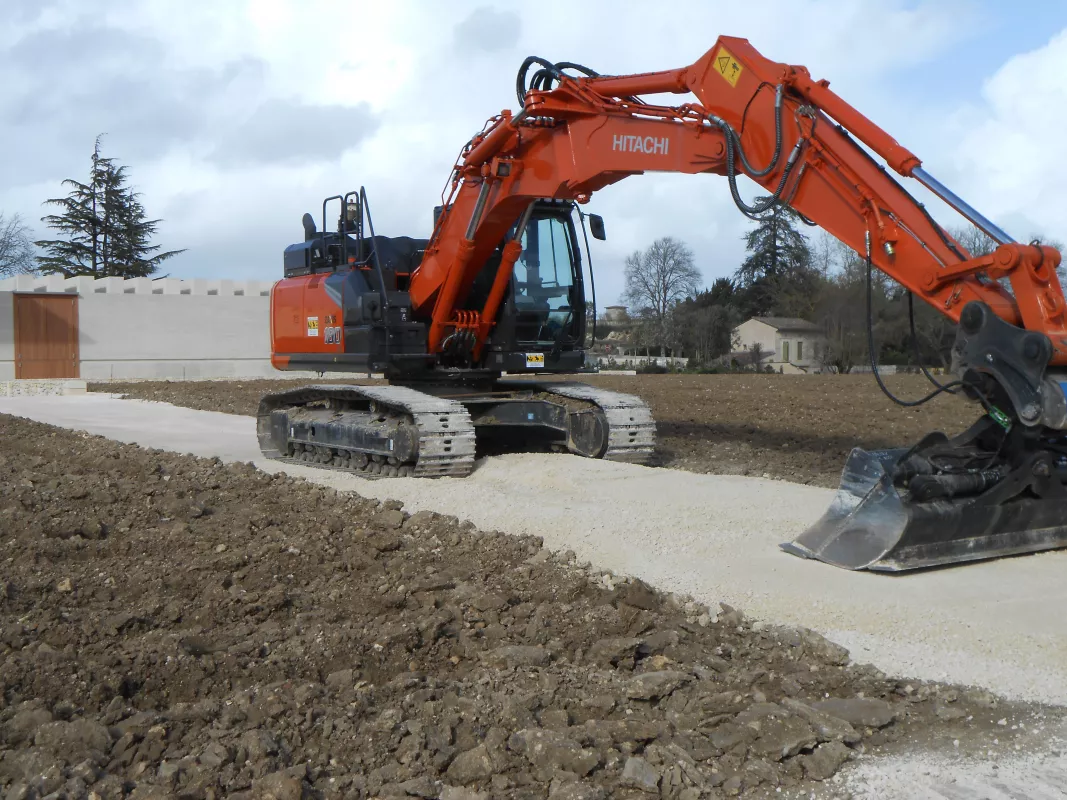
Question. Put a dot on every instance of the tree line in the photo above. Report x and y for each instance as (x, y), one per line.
(786, 273)
(101, 230)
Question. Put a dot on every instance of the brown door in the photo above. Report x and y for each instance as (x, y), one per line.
(46, 336)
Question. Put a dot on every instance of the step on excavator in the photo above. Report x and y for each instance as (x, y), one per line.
(499, 287)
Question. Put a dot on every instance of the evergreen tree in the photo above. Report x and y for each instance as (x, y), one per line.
(103, 227)
(777, 277)
(722, 292)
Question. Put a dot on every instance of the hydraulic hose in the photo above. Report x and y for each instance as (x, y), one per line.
(732, 148)
(915, 346)
(752, 171)
(947, 387)
(542, 79)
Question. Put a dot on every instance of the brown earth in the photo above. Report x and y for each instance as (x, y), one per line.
(172, 627)
(796, 427)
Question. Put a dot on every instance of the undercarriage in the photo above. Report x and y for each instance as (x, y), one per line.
(436, 429)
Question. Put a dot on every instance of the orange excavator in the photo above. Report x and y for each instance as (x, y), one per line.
(499, 288)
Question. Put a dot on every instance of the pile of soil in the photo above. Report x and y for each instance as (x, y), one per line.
(794, 427)
(175, 627)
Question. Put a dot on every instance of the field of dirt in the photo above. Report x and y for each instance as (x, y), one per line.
(176, 627)
(795, 427)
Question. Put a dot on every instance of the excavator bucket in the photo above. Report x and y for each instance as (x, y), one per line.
(871, 524)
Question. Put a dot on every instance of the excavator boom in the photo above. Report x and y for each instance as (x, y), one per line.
(769, 121)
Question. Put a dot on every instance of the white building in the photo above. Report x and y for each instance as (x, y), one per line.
(785, 344)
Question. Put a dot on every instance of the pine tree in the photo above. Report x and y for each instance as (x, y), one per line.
(777, 277)
(103, 227)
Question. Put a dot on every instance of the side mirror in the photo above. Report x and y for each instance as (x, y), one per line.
(596, 227)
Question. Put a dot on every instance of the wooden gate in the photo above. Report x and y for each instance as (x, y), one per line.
(46, 336)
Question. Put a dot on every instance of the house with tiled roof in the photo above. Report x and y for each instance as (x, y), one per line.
(786, 344)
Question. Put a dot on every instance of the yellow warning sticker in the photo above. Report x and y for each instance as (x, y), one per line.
(313, 326)
(535, 361)
(727, 66)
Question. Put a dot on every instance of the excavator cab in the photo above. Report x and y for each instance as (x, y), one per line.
(541, 323)
(547, 283)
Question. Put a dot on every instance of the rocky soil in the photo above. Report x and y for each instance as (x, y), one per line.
(176, 627)
(795, 427)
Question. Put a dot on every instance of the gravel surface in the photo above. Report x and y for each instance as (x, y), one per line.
(1015, 777)
(795, 427)
(715, 537)
(173, 627)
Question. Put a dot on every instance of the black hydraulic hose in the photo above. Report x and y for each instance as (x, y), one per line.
(751, 211)
(915, 346)
(542, 79)
(589, 73)
(729, 131)
(874, 360)
(520, 79)
(734, 149)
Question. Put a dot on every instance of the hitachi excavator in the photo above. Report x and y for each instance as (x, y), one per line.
(498, 287)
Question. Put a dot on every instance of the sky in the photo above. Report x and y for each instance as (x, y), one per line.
(237, 116)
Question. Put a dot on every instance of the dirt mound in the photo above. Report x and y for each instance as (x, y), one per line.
(170, 626)
(795, 427)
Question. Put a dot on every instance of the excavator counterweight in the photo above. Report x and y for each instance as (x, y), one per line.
(499, 287)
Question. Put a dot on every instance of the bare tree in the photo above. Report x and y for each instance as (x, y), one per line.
(975, 241)
(658, 279)
(16, 252)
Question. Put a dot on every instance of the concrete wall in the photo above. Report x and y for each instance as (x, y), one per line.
(162, 329)
(7, 336)
(172, 336)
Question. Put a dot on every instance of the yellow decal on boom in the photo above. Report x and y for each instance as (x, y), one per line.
(727, 66)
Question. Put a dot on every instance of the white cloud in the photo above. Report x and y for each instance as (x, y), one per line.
(1008, 158)
(428, 75)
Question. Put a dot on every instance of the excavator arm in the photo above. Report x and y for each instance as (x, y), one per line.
(999, 488)
(752, 116)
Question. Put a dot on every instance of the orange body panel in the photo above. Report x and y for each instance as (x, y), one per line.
(304, 319)
(587, 133)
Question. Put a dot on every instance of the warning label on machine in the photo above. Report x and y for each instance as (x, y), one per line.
(313, 326)
(535, 361)
(727, 66)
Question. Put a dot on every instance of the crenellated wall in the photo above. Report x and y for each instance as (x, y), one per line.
(166, 328)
